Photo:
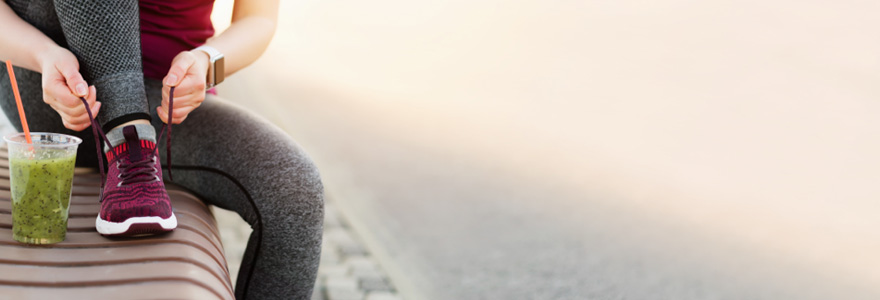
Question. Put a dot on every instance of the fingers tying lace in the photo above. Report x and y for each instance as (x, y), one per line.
(132, 170)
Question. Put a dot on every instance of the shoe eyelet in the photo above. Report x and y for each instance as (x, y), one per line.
(119, 184)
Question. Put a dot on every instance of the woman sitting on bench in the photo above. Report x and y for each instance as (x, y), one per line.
(151, 62)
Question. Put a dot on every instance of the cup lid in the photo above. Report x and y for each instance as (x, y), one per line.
(44, 139)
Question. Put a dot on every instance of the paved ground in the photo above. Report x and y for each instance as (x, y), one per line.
(592, 149)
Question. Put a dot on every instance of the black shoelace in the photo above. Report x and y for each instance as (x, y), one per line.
(130, 171)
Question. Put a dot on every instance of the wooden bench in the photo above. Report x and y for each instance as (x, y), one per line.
(187, 263)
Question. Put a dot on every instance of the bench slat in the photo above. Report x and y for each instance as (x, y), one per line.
(117, 274)
(151, 290)
(182, 235)
(14, 255)
(81, 225)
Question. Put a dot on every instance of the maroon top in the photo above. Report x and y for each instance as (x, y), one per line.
(171, 27)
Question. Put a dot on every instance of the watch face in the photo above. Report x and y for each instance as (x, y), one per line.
(219, 70)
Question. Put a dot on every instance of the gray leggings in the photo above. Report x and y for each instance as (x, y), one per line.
(237, 161)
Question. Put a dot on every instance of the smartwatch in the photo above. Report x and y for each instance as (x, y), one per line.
(216, 72)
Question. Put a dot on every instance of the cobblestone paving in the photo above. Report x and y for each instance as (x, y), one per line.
(347, 270)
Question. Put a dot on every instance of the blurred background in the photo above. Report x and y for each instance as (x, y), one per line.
(626, 149)
(664, 149)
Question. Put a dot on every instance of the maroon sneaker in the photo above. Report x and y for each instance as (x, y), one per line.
(134, 200)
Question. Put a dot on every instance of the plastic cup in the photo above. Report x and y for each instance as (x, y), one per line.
(41, 176)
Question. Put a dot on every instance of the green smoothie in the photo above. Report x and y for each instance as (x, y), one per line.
(40, 198)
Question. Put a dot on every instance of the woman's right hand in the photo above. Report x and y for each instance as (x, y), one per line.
(63, 85)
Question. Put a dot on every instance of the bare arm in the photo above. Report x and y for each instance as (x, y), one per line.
(20, 42)
(252, 28)
(27, 47)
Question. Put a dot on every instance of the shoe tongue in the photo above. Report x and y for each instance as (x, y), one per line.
(135, 151)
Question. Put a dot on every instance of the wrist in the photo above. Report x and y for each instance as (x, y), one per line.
(45, 55)
(40, 55)
(202, 60)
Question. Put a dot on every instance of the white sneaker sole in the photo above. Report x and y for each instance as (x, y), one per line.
(136, 225)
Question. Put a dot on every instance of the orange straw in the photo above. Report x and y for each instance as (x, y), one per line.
(27, 132)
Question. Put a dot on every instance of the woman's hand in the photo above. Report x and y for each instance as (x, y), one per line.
(187, 74)
(63, 86)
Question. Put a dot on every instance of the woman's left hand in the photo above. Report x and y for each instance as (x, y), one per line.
(188, 73)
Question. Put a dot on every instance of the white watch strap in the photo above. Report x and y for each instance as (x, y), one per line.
(213, 53)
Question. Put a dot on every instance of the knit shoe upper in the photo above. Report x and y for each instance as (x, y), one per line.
(135, 200)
